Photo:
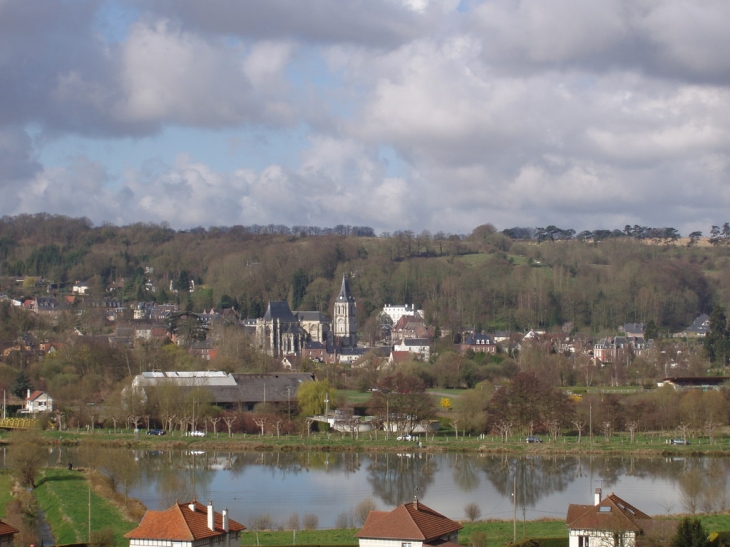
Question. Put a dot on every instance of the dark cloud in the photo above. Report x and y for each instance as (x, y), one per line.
(371, 23)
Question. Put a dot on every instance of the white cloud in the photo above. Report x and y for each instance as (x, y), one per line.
(495, 111)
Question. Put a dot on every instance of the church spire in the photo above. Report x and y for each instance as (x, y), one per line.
(345, 294)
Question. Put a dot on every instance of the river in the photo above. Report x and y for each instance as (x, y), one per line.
(330, 485)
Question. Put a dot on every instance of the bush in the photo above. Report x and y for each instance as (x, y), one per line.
(478, 539)
(261, 522)
(310, 521)
(293, 522)
(103, 538)
(362, 510)
(344, 520)
(472, 511)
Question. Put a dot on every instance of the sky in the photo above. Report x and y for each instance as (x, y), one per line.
(437, 115)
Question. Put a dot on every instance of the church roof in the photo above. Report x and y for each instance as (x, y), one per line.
(345, 294)
(280, 311)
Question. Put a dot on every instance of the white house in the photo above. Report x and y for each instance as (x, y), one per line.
(409, 525)
(608, 523)
(395, 312)
(186, 525)
(419, 346)
(38, 401)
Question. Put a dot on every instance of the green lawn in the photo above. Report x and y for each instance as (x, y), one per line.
(64, 498)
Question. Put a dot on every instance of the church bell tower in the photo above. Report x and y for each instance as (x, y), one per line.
(345, 322)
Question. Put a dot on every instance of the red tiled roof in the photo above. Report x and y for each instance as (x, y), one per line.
(35, 395)
(180, 523)
(612, 513)
(408, 521)
(6, 529)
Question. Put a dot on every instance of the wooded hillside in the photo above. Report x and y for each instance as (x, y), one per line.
(486, 279)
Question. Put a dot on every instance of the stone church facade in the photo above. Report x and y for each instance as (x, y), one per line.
(284, 332)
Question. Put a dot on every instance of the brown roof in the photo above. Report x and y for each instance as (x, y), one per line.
(180, 523)
(612, 513)
(408, 521)
(6, 529)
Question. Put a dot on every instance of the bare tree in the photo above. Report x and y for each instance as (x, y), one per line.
(632, 426)
(554, 428)
(310, 521)
(261, 422)
(229, 423)
(363, 509)
(606, 430)
(214, 421)
(579, 426)
(472, 511)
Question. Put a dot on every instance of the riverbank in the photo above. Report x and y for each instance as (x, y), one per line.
(645, 445)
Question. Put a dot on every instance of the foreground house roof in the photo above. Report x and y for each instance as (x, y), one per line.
(182, 522)
(413, 521)
(612, 514)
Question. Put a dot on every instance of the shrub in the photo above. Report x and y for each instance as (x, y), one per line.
(310, 521)
(472, 511)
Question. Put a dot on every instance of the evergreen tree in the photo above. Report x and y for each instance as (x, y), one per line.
(690, 533)
(717, 341)
(651, 332)
(21, 385)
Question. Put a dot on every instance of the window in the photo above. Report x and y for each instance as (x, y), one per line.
(405, 545)
(582, 541)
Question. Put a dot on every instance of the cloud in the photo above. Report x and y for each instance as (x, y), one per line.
(496, 111)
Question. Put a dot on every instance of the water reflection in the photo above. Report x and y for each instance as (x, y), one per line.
(280, 484)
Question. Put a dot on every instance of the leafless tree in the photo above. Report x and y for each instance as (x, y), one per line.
(472, 511)
(363, 509)
(579, 426)
(554, 428)
(310, 521)
(606, 430)
(214, 421)
(229, 423)
(632, 426)
(710, 428)
(261, 422)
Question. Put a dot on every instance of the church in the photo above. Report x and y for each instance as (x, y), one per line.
(285, 332)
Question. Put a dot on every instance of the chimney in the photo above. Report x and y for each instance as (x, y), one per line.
(598, 496)
(224, 513)
(28, 397)
(210, 516)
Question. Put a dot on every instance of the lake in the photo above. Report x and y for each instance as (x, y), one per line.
(330, 485)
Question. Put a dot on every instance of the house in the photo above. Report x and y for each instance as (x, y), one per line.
(395, 312)
(409, 525)
(606, 523)
(478, 342)
(421, 347)
(80, 288)
(7, 534)
(699, 328)
(186, 525)
(38, 401)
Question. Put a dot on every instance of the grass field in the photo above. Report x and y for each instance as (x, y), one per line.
(66, 501)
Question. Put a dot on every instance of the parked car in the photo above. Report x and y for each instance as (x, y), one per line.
(195, 433)
(533, 440)
(156, 432)
(679, 441)
(406, 438)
